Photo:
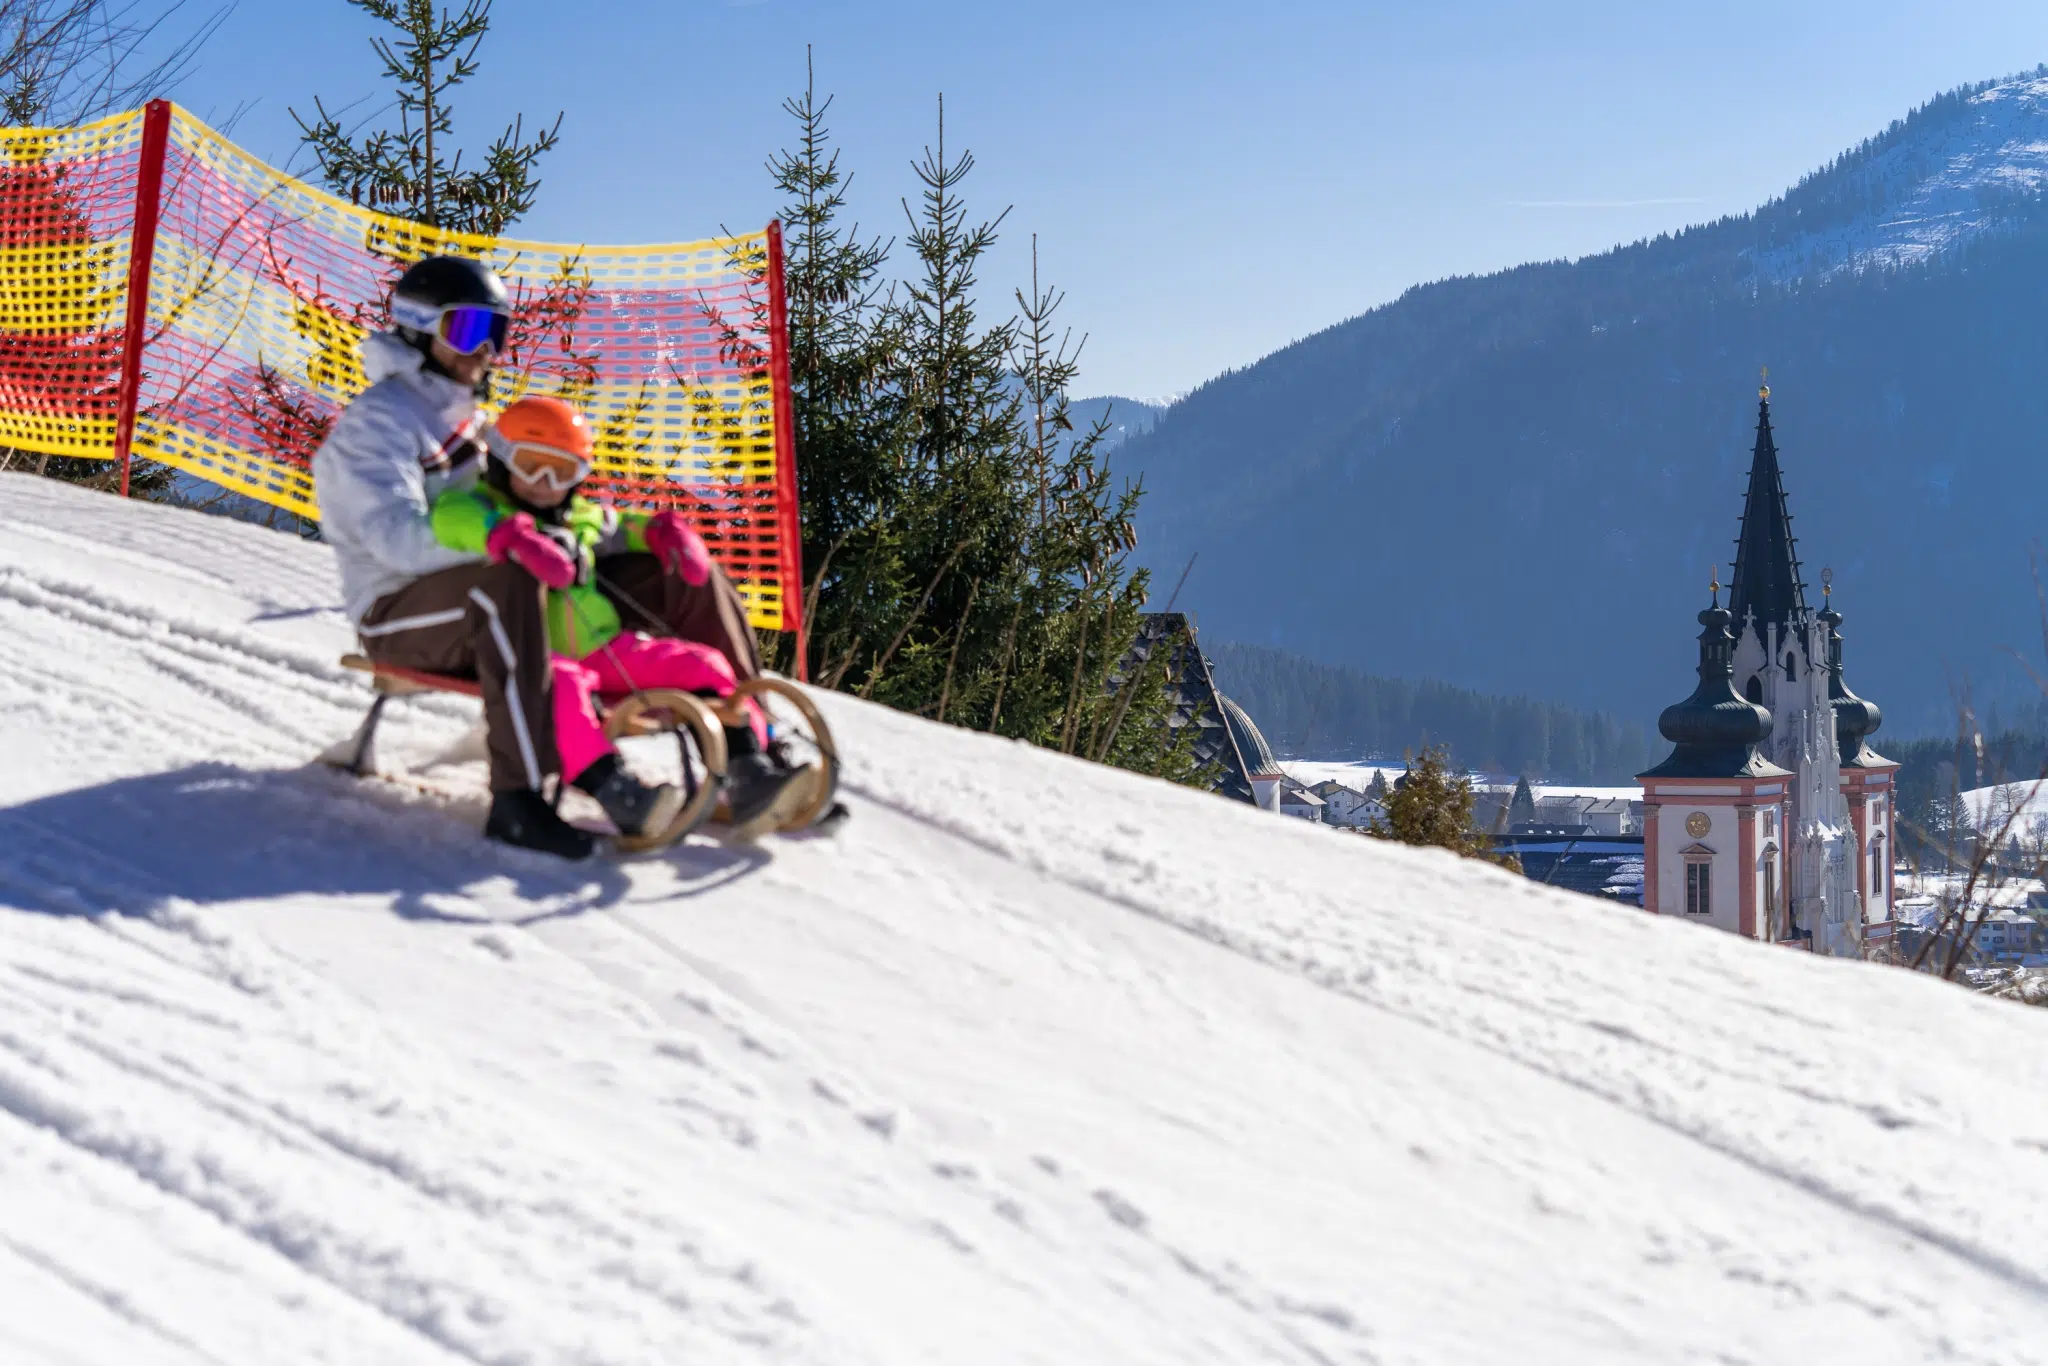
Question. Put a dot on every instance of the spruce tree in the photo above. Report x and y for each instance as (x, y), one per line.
(407, 171)
(849, 421)
(952, 521)
(967, 558)
(1522, 807)
(1430, 805)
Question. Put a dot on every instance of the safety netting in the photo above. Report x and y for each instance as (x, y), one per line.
(67, 204)
(154, 276)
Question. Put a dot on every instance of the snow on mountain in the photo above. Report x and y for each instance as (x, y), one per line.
(1037, 1062)
(1929, 185)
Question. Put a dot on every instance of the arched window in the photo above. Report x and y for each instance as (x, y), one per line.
(1754, 690)
(1878, 869)
(1791, 673)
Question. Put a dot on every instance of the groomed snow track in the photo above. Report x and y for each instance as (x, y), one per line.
(1038, 1062)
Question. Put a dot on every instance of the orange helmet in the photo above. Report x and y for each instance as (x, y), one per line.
(543, 439)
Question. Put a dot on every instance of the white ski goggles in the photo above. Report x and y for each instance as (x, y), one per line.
(549, 466)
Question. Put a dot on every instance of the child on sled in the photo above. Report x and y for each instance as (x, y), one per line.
(526, 509)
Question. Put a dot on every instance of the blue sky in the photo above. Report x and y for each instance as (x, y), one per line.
(1208, 181)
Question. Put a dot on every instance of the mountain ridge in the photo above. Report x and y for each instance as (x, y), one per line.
(1604, 391)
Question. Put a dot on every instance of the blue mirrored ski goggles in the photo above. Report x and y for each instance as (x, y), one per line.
(468, 328)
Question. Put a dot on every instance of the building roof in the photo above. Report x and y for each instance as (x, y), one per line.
(1196, 701)
(1301, 796)
(1252, 746)
(1714, 732)
(1607, 866)
(1766, 582)
(1855, 718)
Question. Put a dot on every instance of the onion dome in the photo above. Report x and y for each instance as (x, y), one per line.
(1714, 733)
(1251, 746)
(1854, 717)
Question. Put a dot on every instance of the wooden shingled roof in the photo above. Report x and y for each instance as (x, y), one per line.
(1195, 695)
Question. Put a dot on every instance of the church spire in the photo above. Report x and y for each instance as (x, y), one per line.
(1766, 580)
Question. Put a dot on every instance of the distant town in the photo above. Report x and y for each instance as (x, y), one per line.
(1771, 817)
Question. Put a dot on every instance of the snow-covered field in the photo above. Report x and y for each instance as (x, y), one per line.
(1038, 1062)
(1357, 774)
(2020, 809)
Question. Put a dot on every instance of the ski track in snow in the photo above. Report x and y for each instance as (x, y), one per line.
(1037, 1062)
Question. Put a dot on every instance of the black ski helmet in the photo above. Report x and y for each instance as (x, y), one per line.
(436, 283)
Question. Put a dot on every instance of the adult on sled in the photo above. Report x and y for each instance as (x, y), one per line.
(414, 434)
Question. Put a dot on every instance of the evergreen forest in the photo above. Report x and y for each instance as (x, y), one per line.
(1325, 711)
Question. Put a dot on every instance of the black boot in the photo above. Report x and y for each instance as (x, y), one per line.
(633, 806)
(760, 791)
(523, 818)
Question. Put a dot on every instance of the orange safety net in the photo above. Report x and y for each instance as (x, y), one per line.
(234, 360)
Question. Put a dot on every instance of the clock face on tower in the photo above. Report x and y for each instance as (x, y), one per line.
(1697, 825)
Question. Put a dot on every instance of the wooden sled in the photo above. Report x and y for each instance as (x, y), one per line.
(695, 723)
(688, 720)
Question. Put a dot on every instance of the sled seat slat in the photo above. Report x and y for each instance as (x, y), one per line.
(394, 681)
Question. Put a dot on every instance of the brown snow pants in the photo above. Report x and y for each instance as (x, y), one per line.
(651, 600)
(487, 622)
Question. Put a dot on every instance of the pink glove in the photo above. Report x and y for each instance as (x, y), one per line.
(517, 539)
(681, 551)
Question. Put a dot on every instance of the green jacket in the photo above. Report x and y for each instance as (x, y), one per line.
(580, 618)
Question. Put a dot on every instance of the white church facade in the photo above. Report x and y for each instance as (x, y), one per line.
(1772, 818)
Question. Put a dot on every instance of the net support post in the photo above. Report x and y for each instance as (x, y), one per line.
(789, 526)
(149, 184)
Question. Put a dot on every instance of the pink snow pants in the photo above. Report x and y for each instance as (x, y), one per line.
(632, 660)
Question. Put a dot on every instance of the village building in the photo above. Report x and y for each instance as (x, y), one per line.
(1348, 807)
(1300, 802)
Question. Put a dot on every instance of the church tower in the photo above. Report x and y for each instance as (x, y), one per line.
(1714, 813)
(1825, 855)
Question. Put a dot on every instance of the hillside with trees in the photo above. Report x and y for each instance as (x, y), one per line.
(1311, 710)
(1520, 482)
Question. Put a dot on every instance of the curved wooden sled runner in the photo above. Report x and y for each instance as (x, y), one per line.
(696, 724)
(683, 716)
(819, 809)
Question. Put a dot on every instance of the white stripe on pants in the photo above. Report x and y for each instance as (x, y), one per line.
(526, 752)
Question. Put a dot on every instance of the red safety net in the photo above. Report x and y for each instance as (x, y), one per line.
(260, 289)
(67, 208)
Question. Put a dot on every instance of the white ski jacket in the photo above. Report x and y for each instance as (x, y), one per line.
(404, 440)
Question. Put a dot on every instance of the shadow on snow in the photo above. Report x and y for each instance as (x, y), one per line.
(211, 833)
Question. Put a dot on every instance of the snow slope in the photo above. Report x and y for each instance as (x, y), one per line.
(1038, 1063)
(2019, 809)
